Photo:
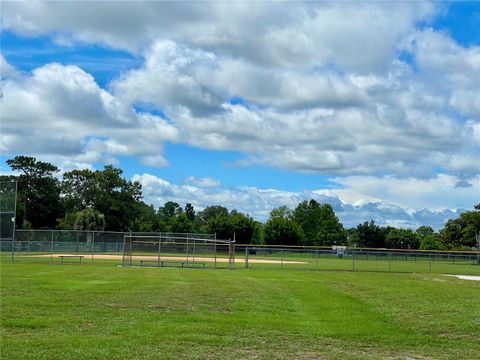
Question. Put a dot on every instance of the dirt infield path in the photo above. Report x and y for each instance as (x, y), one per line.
(173, 258)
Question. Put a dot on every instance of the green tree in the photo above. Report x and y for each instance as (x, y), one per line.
(169, 210)
(38, 192)
(451, 233)
(210, 212)
(219, 225)
(190, 212)
(330, 230)
(402, 239)
(147, 219)
(281, 229)
(180, 223)
(320, 225)
(368, 234)
(79, 189)
(431, 242)
(424, 231)
(105, 191)
(242, 226)
(307, 214)
(89, 219)
(68, 221)
(258, 236)
(471, 230)
(116, 198)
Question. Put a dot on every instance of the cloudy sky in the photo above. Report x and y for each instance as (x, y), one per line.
(371, 107)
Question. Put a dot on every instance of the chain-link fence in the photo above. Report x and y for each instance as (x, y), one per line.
(352, 259)
(72, 246)
(179, 250)
(63, 245)
(205, 251)
(8, 202)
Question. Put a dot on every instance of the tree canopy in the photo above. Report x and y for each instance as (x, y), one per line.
(103, 199)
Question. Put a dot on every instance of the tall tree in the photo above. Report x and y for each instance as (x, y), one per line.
(79, 189)
(210, 212)
(147, 219)
(38, 190)
(307, 214)
(319, 224)
(242, 226)
(330, 230)
(190, 212)
(169, 210)
(180, 223)
(90, 219)
(107, 192)
(471, 220)
(402, 239)
(281, 228)
(424, 231)
(368, 234)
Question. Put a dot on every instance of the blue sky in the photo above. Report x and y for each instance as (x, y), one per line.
(373, 107)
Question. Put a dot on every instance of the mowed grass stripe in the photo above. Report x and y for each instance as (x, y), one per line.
(105, 312)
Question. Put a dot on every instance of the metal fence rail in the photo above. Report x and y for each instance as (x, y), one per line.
(60, 246)
(353, 259)
(56, 246)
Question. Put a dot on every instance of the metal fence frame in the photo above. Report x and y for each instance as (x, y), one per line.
(281, 257)
(50, 243)
(188, 249)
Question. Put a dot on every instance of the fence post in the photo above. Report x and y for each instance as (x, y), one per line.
(316, 262)
(194, 249)
(15, 221)
(281, 260)
(51, 247)
(187, 249)
(13, 246)
(246, 257)
(390, 262)
(159, 248)
(353, 258)
(93, 245)
(215, 251)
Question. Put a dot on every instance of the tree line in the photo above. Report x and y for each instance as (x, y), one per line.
(104, 200)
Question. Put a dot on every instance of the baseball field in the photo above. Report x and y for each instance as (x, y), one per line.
(101, 311)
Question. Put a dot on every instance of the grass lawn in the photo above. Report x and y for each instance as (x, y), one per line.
(99, 311)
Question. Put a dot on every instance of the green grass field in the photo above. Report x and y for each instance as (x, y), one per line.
(100, 311)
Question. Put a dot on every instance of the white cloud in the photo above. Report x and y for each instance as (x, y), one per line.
(259, 202)
(322, 88)
(7, 70)
(60, 110)
(359, 37)
(450, 68)
(437, 193)
(203, 182)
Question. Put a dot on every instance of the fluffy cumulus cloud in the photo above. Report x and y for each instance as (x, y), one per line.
(352, 205)
(60, 110)
(359, 92)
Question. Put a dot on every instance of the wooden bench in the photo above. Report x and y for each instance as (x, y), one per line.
(71, 256)
(165, 263)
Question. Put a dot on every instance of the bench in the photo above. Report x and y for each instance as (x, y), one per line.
(71, 256)
(183, 264)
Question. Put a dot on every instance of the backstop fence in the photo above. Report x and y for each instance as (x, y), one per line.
(125, 248)
(8, 204)
(206, 251)
(178, 249)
